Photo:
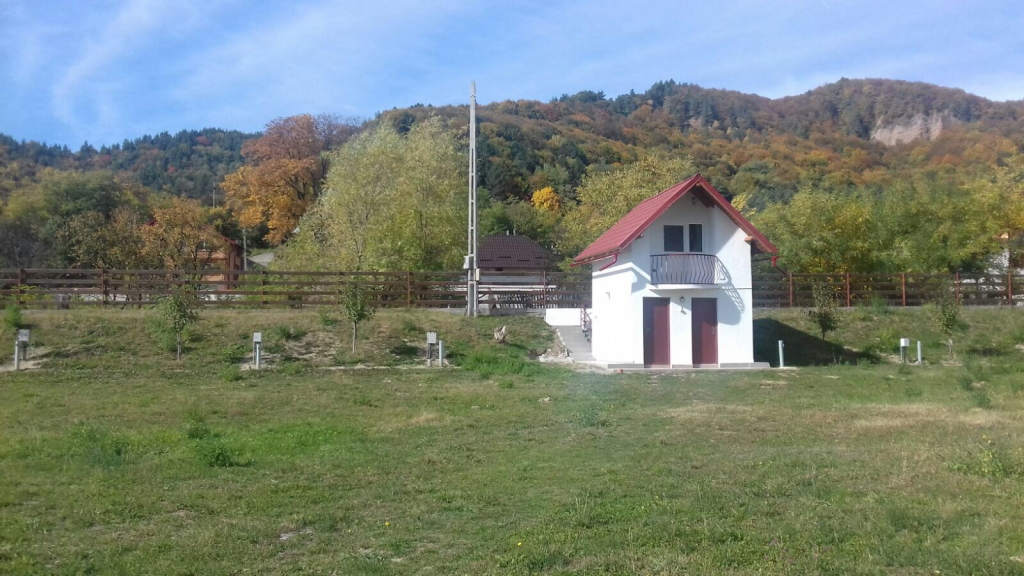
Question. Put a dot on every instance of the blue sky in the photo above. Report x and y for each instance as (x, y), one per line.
(105, 70)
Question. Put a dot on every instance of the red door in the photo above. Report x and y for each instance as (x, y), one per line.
(705, 331)
(656, 332)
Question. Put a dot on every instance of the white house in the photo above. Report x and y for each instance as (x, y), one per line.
(671, 283)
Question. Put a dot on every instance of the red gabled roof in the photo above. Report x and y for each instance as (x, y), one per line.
(633, 224)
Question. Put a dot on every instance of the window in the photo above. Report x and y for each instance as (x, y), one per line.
(696, 238)
(675, 236)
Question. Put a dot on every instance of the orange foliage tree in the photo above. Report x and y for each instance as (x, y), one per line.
(180, 236)
(284, 172)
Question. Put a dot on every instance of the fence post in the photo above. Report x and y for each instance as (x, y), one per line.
(903, 283)
(849, 299)
(263, 287)
(103, 285)
(957, 284)
(792, 298)
(21, 281)
(408, 289)
(1009, 287)
(544, 289)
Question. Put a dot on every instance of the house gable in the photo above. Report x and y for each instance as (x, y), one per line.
(633, 224)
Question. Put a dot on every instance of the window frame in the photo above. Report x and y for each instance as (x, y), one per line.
(689, 238)
(682, 239)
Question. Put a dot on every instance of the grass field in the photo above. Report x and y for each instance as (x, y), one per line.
(114, 458)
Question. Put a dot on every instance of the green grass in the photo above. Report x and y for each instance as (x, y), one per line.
(117, 459)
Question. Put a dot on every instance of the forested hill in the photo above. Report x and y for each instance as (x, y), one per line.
(190, 163)
(848, 133)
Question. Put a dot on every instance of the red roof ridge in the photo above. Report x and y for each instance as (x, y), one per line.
(630, 226)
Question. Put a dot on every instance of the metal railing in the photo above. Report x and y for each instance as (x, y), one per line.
(686, 269)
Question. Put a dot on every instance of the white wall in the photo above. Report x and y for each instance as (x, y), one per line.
(563, 316)
(618, 292)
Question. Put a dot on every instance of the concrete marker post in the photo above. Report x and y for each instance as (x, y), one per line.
(782, 361)
(257, 349)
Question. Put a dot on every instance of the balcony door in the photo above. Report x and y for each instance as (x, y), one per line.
(705, 331)
(656, 332)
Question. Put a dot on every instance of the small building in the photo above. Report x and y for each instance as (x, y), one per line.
(512, 273)
(511, 255)
(672, 283)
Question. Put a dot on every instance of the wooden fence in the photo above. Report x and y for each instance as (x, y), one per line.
(130, 288)
(797, 290)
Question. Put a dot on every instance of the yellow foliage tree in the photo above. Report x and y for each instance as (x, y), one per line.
(547, 199)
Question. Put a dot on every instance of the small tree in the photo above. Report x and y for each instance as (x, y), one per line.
(825, 313)
(947, 316)
(180, 310)
(357, 308)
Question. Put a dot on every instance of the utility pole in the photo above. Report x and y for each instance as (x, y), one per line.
(472, 272)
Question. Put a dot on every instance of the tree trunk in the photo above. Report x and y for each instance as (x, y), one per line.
(354, 328)
(178, 335)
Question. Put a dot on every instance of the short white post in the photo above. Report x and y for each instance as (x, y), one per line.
(919, 362)
(257, 348)
(440, 353)
(21, 347)
(431, 344)
(782, 361)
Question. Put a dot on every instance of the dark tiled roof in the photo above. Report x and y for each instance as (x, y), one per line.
(502, 251)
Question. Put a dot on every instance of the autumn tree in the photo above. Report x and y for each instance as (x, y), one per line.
(547, 199)
(284, 172)
(393, 201)
(180, 236)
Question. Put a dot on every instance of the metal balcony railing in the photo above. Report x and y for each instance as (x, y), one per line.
(686, 269)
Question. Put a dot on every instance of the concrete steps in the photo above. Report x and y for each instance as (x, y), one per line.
(576, 343)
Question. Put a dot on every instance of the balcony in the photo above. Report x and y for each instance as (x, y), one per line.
(701, 269)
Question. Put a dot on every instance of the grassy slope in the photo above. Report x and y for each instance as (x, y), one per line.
(118, 460)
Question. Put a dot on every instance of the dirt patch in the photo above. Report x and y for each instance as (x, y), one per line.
(34, 359)
(317, 347)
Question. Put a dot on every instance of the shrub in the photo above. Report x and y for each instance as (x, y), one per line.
(489, 363)
(215, 454)
(235, 353)
(965, 381)
(231, 374)
(981, 399)
(196, 429)
(287, 332)
(99, 447)
(879, 305)
(990, 462)
(13, 318)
